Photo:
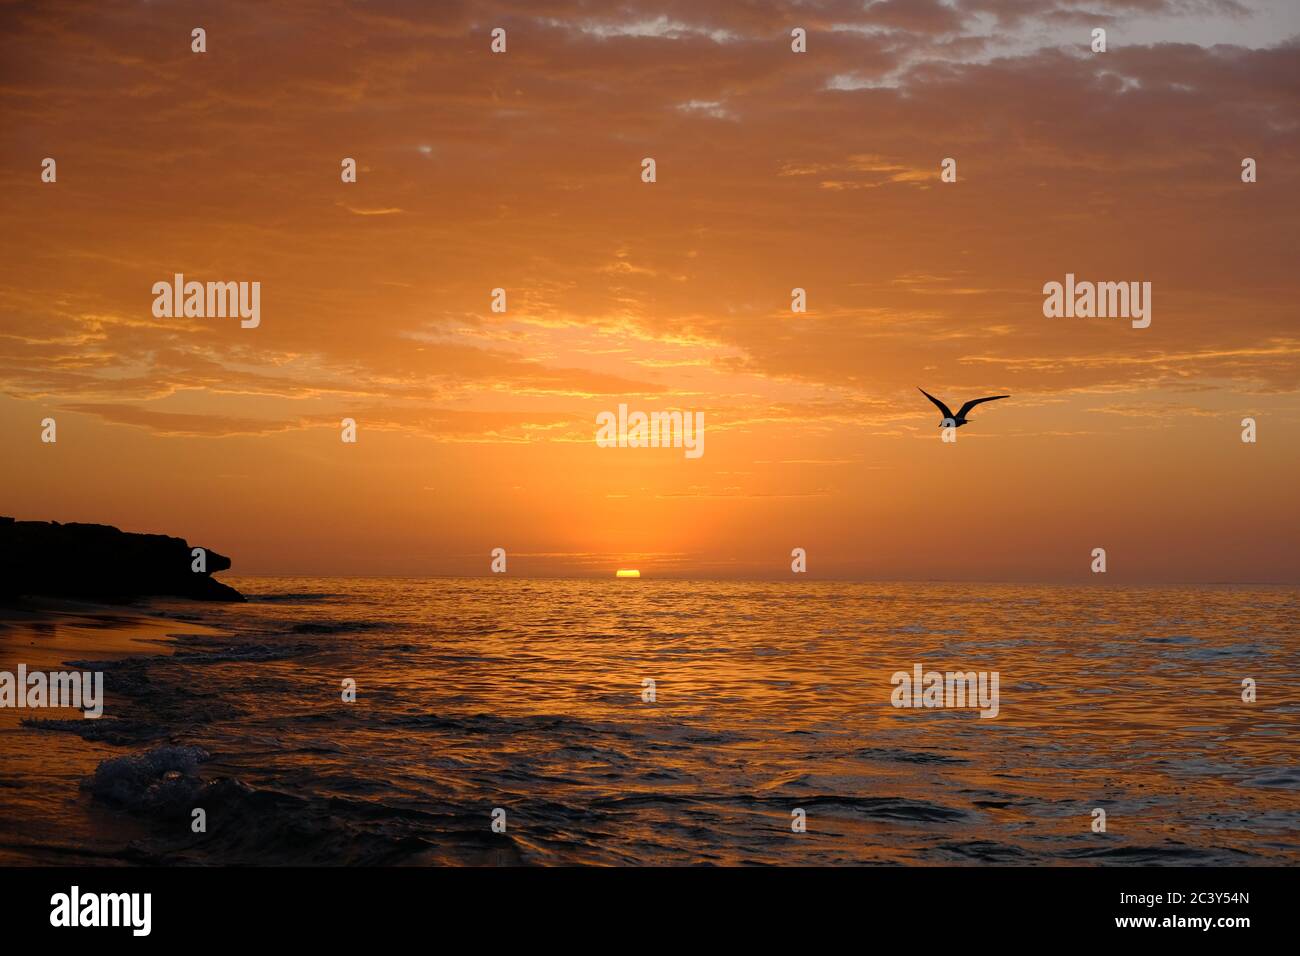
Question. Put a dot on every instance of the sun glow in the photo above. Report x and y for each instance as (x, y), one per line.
(627, 573)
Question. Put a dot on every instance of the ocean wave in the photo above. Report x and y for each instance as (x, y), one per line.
(245, 824)
(983, 851)
(339, 627)
(1169, 854)
(906, 756)
(117, 731)
(163, 781)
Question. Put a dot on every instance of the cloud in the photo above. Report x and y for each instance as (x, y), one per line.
(776, 170)
(178, 424)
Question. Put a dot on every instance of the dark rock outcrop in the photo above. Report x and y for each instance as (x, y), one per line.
(97, 562)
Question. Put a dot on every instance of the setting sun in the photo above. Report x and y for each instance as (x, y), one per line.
(627, 573)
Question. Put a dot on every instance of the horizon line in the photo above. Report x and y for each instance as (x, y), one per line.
(766, 580)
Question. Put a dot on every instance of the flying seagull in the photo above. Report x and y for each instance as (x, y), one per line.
(960, 418)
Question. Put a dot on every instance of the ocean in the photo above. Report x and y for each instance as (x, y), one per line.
(661, 722)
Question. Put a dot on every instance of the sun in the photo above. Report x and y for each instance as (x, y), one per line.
(628, 573)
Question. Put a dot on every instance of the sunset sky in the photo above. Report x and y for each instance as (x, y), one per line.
(775, 170)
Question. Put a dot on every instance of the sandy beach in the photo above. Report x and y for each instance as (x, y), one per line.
(50, 818)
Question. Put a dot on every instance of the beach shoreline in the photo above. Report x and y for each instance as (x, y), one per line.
(44, 765)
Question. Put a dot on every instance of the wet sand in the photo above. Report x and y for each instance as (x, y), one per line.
(41, 771)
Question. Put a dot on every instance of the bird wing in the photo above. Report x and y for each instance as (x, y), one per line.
(947, 412)
(975, 401)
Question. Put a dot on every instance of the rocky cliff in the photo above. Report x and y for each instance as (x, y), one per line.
(97, 562)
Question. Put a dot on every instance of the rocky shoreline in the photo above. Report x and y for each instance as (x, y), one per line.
(96, 562)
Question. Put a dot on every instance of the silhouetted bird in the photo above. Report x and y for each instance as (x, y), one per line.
(960, 418)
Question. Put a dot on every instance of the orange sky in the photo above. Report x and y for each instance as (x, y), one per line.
(775, 170)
